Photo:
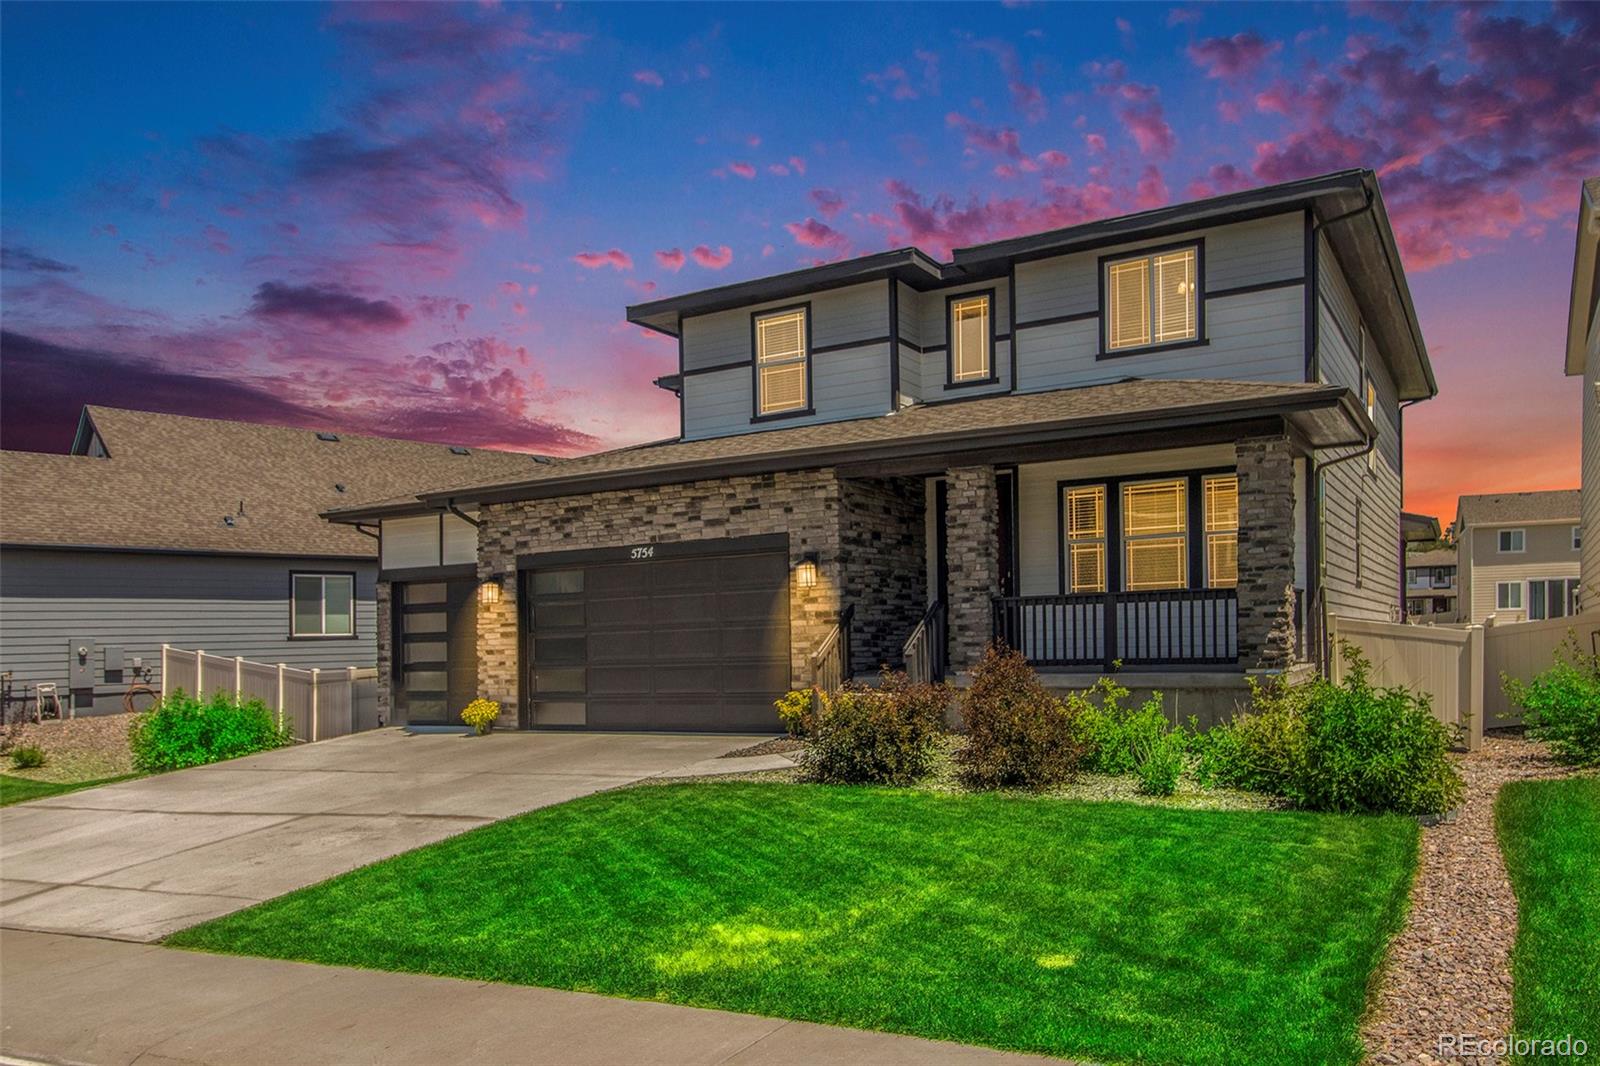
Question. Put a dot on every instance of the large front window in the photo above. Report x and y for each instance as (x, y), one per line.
(781, 354)
(1155, 535)
(1152, 299)
(1136, 536)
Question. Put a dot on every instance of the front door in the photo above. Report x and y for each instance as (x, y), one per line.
(436, 650)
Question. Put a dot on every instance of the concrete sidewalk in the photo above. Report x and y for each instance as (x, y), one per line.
(78, 999)
(138, 860)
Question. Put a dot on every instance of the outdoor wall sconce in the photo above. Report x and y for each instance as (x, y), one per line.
(806, 573)
(489, 592)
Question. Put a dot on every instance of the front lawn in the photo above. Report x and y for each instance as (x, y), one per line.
(22, 789)
(1101, 930)
(1550, 834)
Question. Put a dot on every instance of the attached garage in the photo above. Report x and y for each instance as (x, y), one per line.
(690, 636)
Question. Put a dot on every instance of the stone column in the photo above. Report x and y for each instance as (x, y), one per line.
(972, 521)
(384, 596)
(1267, 636)
(497, 623)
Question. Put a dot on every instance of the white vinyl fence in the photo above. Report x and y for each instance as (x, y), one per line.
(1462, 668)
(317, 704)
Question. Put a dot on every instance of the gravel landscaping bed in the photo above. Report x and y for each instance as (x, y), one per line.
(76, 749)
(1448, 971)
(775, 746)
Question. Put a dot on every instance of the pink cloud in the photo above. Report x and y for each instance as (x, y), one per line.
(712, 260)
(630, 100)
(1182, 16)
(744, 170)
(1095, 142)
(814, 234)
(1027, 97)
(616, 259)
(1151, 190)
(941, 222)
(648, 77)
(1139, 108)
(511, 288)
(671, 259)
(1054, 159)
(797, 164)
(778, 169)
(829, 201)
(1232, 57)
(980, 138)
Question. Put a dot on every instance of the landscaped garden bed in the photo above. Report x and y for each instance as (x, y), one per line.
(1108, 931)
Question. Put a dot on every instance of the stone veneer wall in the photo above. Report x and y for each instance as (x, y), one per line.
(385, 626)
(972, 519)
(883, 537)
(804, 504)
(1267, 637)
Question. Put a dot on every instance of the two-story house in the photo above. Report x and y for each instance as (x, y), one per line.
(1168, 442)
(1431, 585)
(1583, 360)
(1519, 555)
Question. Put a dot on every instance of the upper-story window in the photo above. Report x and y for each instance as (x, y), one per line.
(783, 377)
(1152, 299)
(1513, 541)
(971, 338)
(1577, 538)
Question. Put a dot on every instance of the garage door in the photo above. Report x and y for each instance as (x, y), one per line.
(691, 637)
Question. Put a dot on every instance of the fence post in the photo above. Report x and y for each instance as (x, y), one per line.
(280, 695)
(1475, 683)
(164, 648)
(315, 673)
(199, 673)
(1335, 660)
(238, 678)
(350, 698)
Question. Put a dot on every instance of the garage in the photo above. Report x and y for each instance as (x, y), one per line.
(690, 637)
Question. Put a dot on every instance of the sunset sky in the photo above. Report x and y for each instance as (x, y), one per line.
(425, 221)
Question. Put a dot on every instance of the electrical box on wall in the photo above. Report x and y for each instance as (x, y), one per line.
(81, 663)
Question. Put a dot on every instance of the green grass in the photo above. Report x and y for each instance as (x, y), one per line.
(1105, 930)
(23, 789)
(1550, 834)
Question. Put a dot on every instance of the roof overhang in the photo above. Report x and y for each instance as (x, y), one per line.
(1585, 277)
(1326, 417)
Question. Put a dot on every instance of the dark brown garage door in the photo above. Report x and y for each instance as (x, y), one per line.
(690, 637)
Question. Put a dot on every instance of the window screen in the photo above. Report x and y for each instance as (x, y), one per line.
(1085, 521)
(781, 362)
(969, 338)
(1155, 535)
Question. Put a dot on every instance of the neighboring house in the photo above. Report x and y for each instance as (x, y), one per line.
(202, 534)
(1419, 528)
(1431, 585)
(1169, 441)
(1518, 554)
(1583, 359)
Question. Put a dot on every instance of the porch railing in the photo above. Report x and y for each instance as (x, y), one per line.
(925, 650)
(830, 663)
(1171, 627)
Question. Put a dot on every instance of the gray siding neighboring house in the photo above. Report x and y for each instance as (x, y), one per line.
(1583, 360)
(1160, 452)
(162, 529)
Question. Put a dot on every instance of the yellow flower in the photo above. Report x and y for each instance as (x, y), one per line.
(480, 714)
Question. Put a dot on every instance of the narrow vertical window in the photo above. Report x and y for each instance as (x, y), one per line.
(1152, 299)
(970, 339)
(1155, 535)
(1222, 531)
(1372, 413)
(1085, 520)
(781, 362)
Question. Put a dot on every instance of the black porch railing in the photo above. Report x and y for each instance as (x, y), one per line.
(1171, 627)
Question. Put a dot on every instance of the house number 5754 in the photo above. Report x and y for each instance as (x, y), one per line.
(647, 552)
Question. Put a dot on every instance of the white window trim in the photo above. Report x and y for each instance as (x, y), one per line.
(322, 601)
(1522, 596)
(1499, 533)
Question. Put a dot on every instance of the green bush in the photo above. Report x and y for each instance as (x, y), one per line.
(796, 708)
(29, 758)
(1160, 764)
(1562, 705)
(1116, 735)
(1019, 735)
(183, 731)
(886, 735)
(1338, 747)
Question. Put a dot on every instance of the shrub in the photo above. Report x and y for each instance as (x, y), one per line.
(1160, 765)
(1019, 735)
(1338, 747)
(183, 731)
(795, 710)
(1116, 735)
(886, 735)
(29, 758)
(1562, 705)
(480, 714)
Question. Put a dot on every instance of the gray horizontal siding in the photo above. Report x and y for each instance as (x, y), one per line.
(853, 383)
(225, 605)
(838, 316)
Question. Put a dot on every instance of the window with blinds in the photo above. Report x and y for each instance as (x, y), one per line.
(1085, 522)
(969, 338)
(1155, 539)
(781, 362)
(1222, 531)
(1152, 299)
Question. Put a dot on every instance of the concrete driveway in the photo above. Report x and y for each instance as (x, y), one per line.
(139, 860)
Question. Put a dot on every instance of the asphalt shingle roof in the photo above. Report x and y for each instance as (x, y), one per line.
(1437, 557)
(1503, 507)
(169, 481)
